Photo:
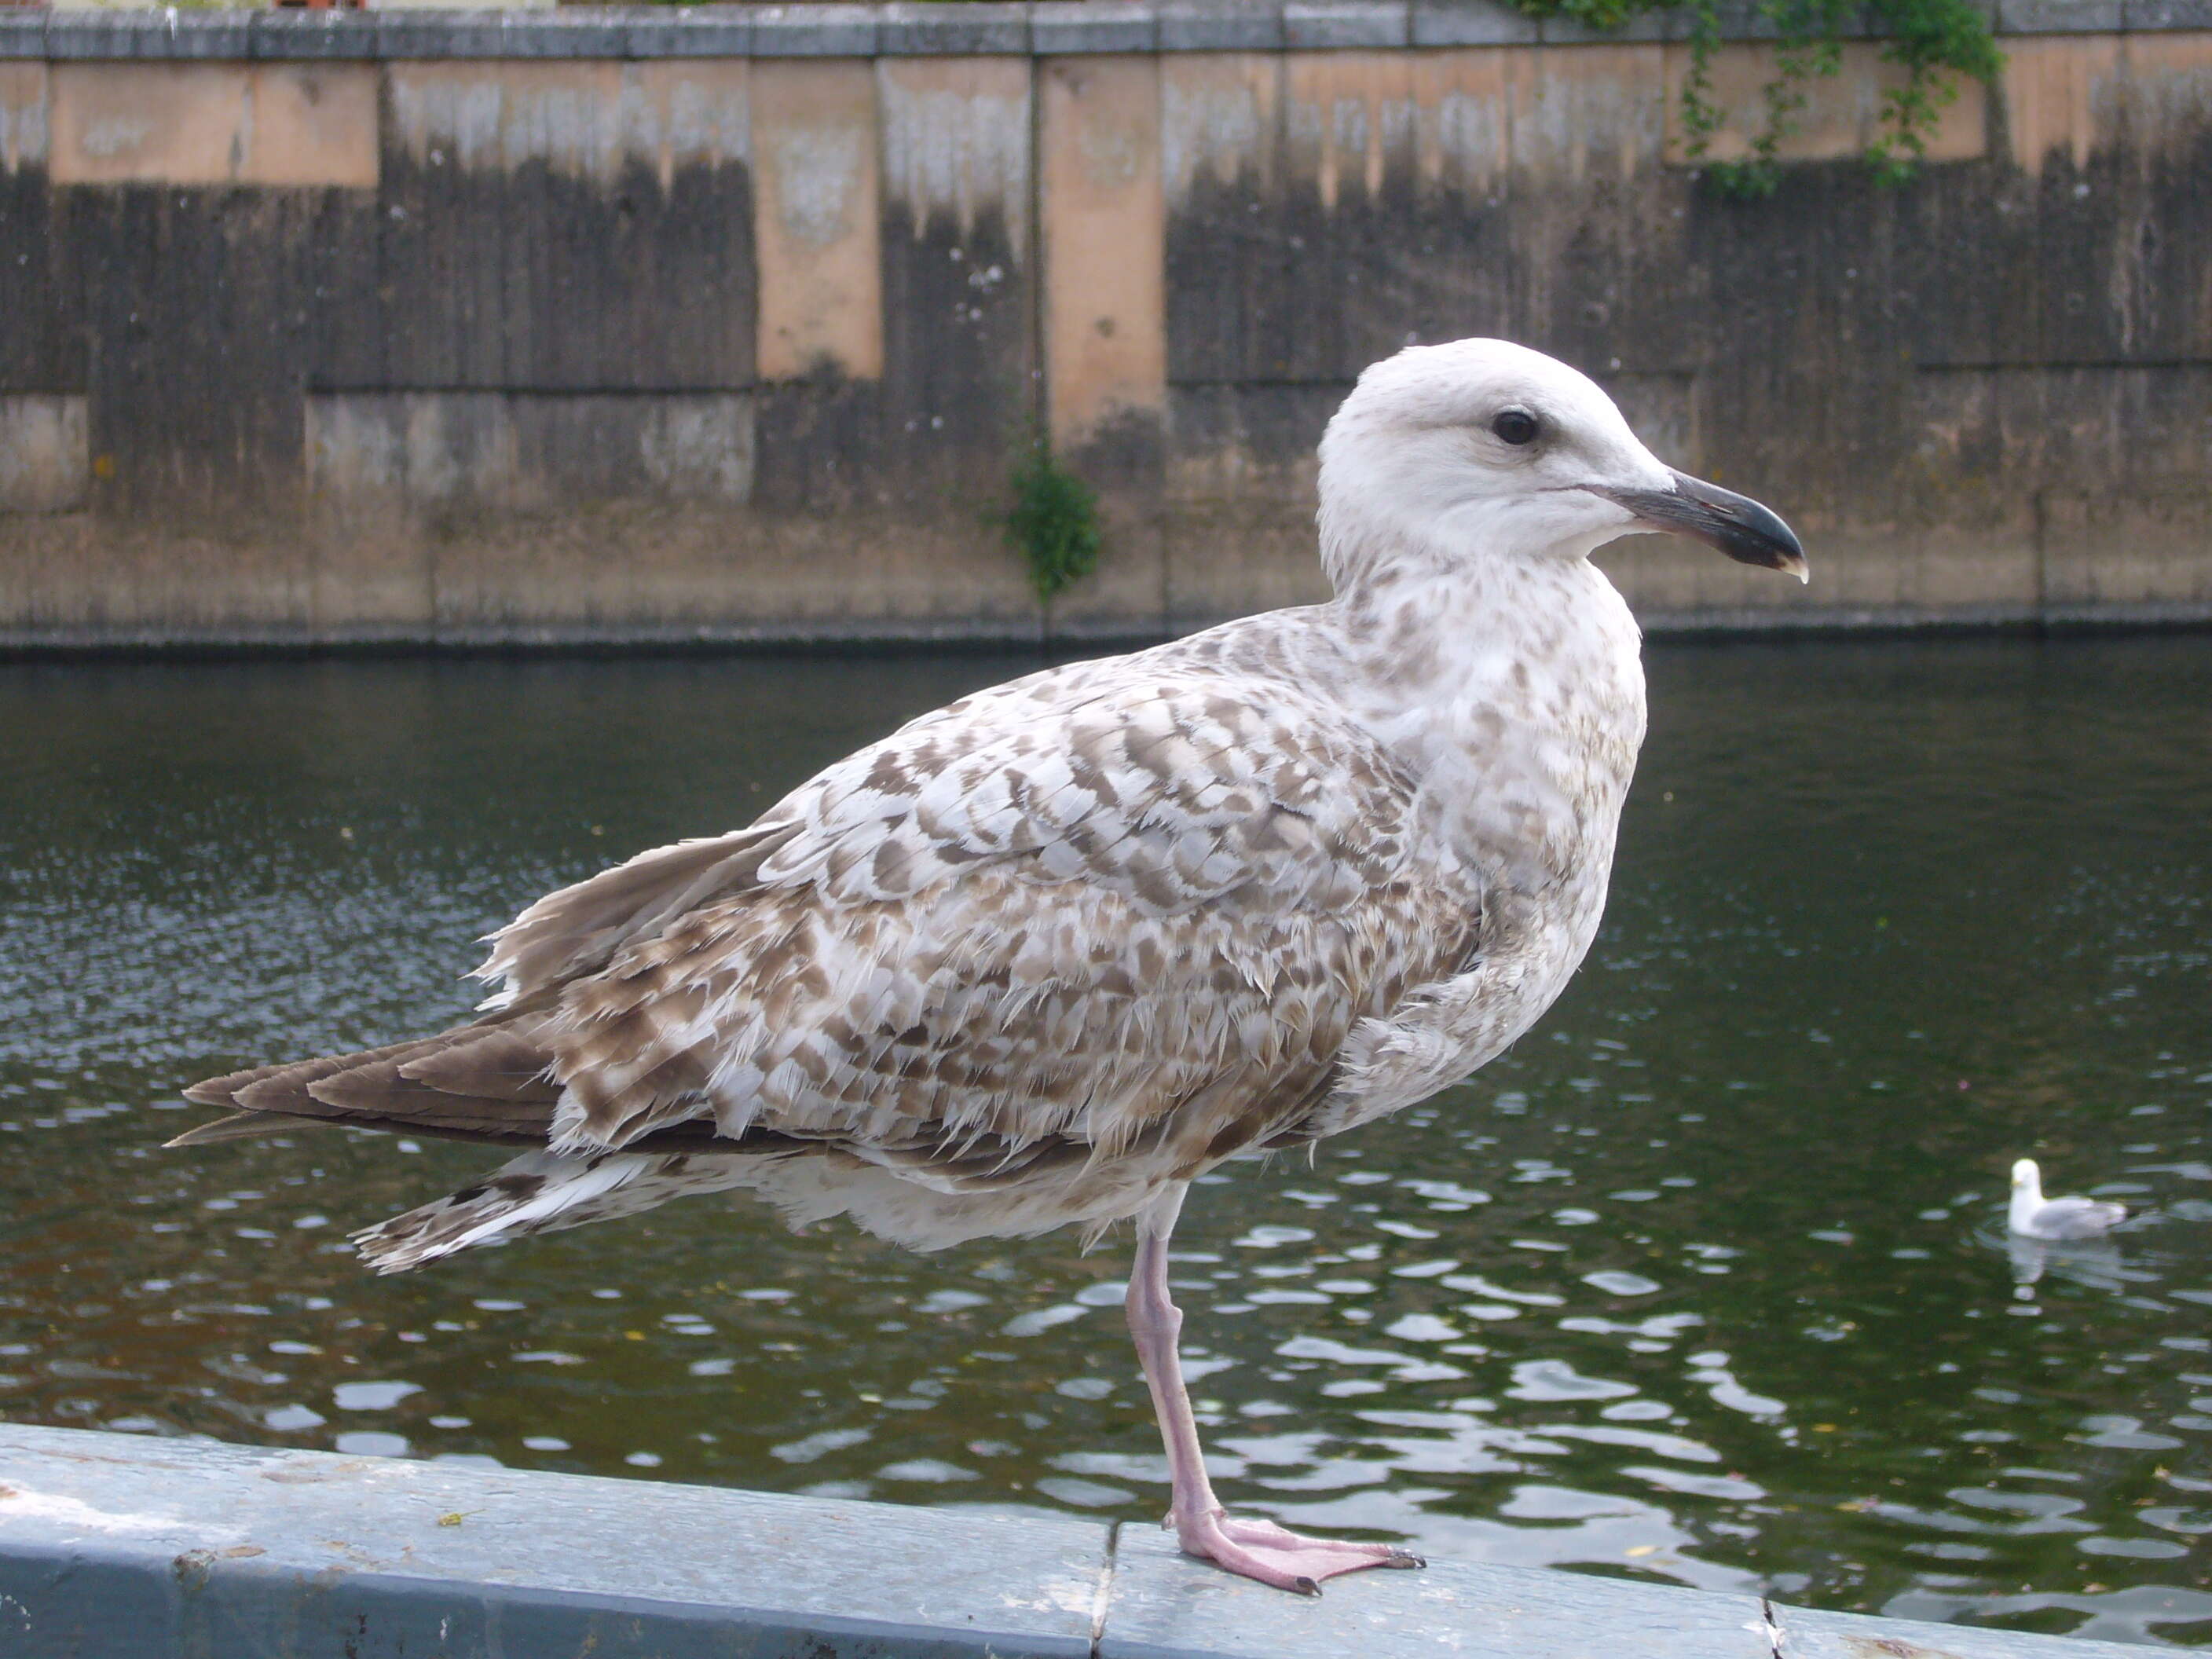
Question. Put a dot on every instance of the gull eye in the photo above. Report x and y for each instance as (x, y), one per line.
(1516, 426)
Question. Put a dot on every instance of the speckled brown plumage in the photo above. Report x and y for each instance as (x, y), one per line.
(1042, 955)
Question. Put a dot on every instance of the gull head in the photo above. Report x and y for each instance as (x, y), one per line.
(2025, 1177)
(1482, 450)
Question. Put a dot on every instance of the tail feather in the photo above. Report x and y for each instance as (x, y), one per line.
(488, 1081)
(540, 1193)
(238, 1126)
(294, 1075)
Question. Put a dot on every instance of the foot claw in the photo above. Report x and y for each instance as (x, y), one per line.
(1274, 1555)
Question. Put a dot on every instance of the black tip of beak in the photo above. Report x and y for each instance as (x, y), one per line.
(1747, 531)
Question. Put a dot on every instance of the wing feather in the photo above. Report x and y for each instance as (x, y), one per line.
(1028, 927)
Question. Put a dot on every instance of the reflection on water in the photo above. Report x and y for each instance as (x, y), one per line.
(2095, 1262)
(1706, 1282)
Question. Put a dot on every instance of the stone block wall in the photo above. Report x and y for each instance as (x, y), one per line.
(728, 323)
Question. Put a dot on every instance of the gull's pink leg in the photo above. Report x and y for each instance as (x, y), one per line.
(1258, 1549)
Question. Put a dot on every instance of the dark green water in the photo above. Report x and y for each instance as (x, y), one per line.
(1705, 1282)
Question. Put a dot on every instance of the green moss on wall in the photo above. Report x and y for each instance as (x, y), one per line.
(1053, 521)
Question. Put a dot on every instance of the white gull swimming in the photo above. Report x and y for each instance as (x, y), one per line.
(2031, 1215)
(1043, 956)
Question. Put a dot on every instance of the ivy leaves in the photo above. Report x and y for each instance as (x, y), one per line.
(1935, 41)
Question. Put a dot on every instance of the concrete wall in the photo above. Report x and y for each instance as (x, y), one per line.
(727, 322)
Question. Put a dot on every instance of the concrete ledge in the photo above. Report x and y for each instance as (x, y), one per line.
(2060, 16)
(1455, 23)
(150, 34)
(1059, 27)
(824, 31)
(22, 34)
(1162, 1606)
(1343, 24)
(118, 1546)
(691, 32)
(2150, 16)
(314, 36)
(930, 28)
(1747, 24)
(112, 1545)
(912, 28)
(1214, 25)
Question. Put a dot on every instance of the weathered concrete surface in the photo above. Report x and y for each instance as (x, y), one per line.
(43, 465)
(820, 285)
(1104, 321)
(729, 323)
(119, 1547)
(112, 1548)
(213, 124)
(1162, 1606)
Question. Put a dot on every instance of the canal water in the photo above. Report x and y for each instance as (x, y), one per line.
(1705, 1282)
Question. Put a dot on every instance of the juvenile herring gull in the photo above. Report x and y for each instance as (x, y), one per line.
(1043, 956)
(2034, 1216)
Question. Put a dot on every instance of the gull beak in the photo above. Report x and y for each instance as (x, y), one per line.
(1738, 525)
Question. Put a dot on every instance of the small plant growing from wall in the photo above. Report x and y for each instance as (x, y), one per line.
(1936, 42)
(1053, 521)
